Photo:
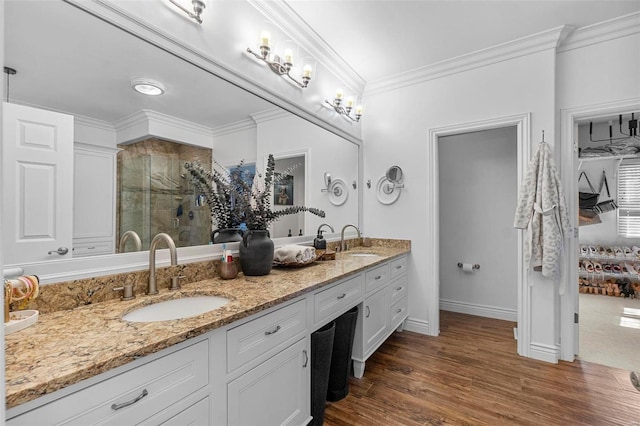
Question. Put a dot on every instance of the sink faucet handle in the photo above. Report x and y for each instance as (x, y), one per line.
(175, 282)
(127, 292)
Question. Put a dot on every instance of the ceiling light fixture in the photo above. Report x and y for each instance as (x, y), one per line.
(347, 108)
(147, 87)
(198, 7)
(280, 66)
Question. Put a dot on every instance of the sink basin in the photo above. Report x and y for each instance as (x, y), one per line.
(176, 309)
(364, 255)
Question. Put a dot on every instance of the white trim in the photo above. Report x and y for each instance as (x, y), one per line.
(544, 352)
(502, 52)
(522, 122)
(92, 122)
(268, 115)
(417, 326)
(602, 31)
(569, 305)
(235, 127)
(479, 310)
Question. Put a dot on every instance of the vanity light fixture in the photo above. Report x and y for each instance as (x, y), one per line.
(280, 66)
(198, 7)
(147, 86)
(347, 108)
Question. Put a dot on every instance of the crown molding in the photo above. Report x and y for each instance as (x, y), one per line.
(549, 39)
(291, 23)
(236, 127)
(93, 123)
(602, 31)
(146, 116)
(268, 115)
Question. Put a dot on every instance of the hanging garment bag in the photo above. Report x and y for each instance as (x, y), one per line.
(587, 200)
(607, 205)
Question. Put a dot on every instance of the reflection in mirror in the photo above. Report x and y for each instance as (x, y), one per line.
(394, 174)
(289, 191)
(89, 78)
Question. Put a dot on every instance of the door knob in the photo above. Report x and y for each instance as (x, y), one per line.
(61, 251)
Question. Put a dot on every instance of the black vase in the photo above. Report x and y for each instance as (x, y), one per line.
(256, 253)
(226, 235)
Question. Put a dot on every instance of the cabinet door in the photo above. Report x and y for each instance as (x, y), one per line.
(375, 319)
(94, 200)
(37, 183)
(276, 392)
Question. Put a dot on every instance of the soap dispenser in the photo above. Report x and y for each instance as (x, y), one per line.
(319, 243)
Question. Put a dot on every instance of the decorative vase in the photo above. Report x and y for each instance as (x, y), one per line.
(256, 253)
(226, 235)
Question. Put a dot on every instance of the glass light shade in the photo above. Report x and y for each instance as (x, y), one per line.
(147, 87)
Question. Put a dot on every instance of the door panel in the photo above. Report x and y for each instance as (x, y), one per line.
(37, 176)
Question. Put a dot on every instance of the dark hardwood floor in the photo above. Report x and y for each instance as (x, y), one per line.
(471, 374)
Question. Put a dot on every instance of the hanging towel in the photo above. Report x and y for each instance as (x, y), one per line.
(542, 210)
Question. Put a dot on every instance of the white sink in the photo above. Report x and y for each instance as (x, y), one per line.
(364, 255)
(176, 309)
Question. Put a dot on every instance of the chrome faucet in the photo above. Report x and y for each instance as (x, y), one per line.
(125, 237)
(343, 246)
(324, 224)
(153, 288)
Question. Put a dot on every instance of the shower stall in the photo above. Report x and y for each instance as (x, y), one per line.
(155, 194)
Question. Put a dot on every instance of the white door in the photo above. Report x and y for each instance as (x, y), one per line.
(37, 176)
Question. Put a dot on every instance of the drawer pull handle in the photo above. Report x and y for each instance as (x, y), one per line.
(91, 248)
(378, 277)
(270, 332)
(306, 358)
(133, 401)
(399, 267)
(342, 296)
(368, 311)
(398, 311)
(399, 288)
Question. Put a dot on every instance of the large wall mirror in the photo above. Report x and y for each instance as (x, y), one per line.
(129, 149)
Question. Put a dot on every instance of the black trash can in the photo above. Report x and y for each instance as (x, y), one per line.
(341, 357)
(321, 350)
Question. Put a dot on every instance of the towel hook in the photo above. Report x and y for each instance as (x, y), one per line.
(543, 136)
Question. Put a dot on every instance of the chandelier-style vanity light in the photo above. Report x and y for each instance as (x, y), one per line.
(198, 7)
(347, 108)
(280, 66)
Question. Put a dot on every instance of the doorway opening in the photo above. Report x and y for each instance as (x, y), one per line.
(609, 240)
(521, 126)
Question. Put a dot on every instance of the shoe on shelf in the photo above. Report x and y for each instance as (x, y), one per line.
(610, 252)
(597, 267)
(616, 269)
(593, 251)
(627, 251)
(588, 266)
(630, 268)
(601, 251)
(584, 251)
(606, 267)
(636, 251)
(618, 252)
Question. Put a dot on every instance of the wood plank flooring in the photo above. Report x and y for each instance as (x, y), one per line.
(472, 375)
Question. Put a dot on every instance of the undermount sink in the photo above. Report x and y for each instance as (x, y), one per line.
(176, 309)
(364, 255)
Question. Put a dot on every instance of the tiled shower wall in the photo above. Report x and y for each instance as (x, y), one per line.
(155, 195)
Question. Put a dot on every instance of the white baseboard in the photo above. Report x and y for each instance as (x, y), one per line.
(479, 310)
(418, 326)
(543, 352)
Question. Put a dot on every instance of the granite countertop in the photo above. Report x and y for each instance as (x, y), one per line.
(68, 346)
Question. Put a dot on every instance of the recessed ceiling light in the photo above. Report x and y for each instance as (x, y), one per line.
(147, 86)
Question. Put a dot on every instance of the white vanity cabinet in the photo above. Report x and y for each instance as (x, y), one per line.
(94, 200)
(384, 309)
(268, 369)
(162, 388)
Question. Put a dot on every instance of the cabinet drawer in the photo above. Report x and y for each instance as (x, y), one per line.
(398, 312)
(398, 267)
(398, 289)
(256, 337)
(195, 415)
(376, 278)
(157, 384)
(92, 248)
(333, 301)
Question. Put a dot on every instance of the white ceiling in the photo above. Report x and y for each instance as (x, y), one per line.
(381, 38)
